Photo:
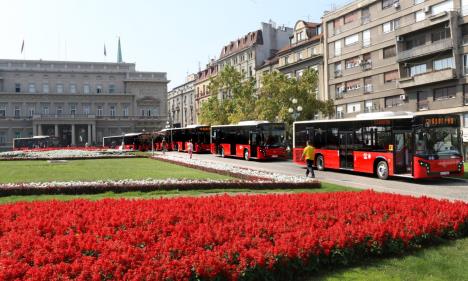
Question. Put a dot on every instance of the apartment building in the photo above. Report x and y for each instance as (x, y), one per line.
(181, 103)
(201, 85)
(398, 55)
(79, 102)
(249, 52)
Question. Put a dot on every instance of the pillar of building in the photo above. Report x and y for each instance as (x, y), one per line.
(56, 130)
(39, 130)
(89, 134)
(73, 143)
(94, 134)
(34, 130)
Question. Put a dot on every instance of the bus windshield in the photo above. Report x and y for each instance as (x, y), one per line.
(440, 141)
(273, 137)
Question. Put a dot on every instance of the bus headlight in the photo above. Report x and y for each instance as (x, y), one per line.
(425, 165)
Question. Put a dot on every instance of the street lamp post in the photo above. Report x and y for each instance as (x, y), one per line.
(295, 111)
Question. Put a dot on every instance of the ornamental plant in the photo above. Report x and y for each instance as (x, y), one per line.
(250, 237)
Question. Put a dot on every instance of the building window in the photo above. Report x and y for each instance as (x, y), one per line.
(59, 88)
(391, 25)
(366, 38)
(2, 111)
(393, 101)
(389, 3)
(350, 17)
(2, 138)
(72, 88)
(390, 76)
(17, 111)
(17, 88)
(338, 69)
(465, 120)
(444, 63)
(353, 39)
(440, 34)
(86, 89)
(416, 2)
(417, 69)
(72, 109)
(111, 88)
(299, 73)
(352, 62)
(99, 110)
(353, 107)
(98, 89)
(442, 7)
(59, 110)
(32, 88)
(445, 93)
(419, 16)
(353, 85)
(142, 112)
(45, 88)
(31, 111)
(368, 87)
(465, 93)
(337, 48)
(389, 52)
(125, 111)
(45, 110)
(339, 91)
(86, 109)
(112, 110)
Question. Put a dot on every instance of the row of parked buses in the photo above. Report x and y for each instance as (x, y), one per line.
(385, 143)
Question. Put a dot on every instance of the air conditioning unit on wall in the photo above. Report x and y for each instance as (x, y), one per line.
(400, 39)
(403, 97)
(427, 9)
(396, 5)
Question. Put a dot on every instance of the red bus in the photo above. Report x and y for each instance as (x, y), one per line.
(131, 141)
(178, 138)
(36, 142)
(249, 140)
(385, 144)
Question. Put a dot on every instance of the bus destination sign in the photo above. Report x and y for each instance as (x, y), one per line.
(439, 121)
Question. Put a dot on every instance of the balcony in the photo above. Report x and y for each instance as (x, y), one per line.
(427, 49)
(430, 21)
(423, 105)
(46, 117)
(427, 78)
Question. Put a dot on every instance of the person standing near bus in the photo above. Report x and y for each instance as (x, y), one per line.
(164, 145)
(190, 148)
(308, 154)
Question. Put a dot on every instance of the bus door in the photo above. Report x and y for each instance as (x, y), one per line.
(346, 150)
(403, 152)
(254, 143)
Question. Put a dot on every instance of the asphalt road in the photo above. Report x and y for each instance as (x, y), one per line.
(447, 188)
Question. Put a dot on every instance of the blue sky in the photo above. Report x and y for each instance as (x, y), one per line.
(171, 36)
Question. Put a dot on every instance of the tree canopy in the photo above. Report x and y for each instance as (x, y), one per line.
(235, 98)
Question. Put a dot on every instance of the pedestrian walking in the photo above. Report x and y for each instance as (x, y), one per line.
(190, 148)
(164, 145)
(308, 155)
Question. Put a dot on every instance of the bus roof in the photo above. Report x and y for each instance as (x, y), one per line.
(132, 134)
(34, 137)
(246, 123)
(365, 116)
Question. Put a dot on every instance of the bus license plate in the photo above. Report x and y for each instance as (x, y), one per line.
(444, 173)
(274, 156)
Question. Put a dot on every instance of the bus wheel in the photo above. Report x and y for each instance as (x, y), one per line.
(320, 163)
(222, 153)
(382, 170)
(246, 155)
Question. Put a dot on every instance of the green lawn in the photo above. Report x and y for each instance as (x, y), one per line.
(445, 262)
(326, 187)
(102, 169)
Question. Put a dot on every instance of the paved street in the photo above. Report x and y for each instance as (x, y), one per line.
(449, 188)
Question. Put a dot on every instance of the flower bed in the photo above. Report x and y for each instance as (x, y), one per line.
(220, 237)
(64, 154)
(231, 170)
(93, 187)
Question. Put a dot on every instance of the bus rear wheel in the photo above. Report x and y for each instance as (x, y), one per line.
(246, 155)
(320, 163)
(382, 170)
